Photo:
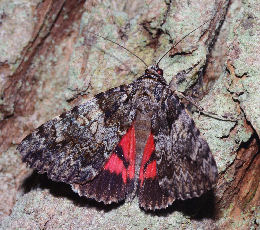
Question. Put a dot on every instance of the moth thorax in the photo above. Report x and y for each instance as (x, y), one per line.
(144, 104)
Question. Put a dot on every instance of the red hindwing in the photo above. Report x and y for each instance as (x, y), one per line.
(123, 162)
(148, 166)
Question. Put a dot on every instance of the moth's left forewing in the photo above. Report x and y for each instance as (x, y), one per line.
(185, 165)
(74, 146)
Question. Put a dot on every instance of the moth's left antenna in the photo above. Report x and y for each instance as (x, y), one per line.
(121, 47)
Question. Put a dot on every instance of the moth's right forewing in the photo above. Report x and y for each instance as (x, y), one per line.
(185, 164)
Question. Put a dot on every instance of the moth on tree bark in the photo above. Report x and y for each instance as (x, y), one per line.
(132, 140)
(60, 63)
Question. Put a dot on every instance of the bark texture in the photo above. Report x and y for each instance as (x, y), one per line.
(50, 61)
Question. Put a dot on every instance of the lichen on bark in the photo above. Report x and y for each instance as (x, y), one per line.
(59, 63)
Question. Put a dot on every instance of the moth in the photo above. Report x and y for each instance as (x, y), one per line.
(132, 140)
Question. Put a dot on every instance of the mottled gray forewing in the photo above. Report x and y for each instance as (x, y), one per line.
(185, 165)
(74, 146)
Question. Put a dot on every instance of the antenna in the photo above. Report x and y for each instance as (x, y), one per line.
(120, 46)
(182, 40)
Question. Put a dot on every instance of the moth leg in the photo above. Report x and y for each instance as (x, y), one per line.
(201, 110)
(184, 75)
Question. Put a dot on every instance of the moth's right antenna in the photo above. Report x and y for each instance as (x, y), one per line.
(121, 47)
(182, 40)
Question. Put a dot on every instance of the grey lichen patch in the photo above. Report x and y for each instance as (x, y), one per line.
(53, 81)
(102, 57)
(39, 208)
(179, 22)
(191, 64)
(78, 76)
(11, 176)
(17, 29)
(108, 64)
(223, 137)
(244, 55)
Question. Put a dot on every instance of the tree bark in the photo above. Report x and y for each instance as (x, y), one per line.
(51, 60)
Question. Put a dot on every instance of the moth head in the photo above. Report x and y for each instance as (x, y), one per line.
(154, 70)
